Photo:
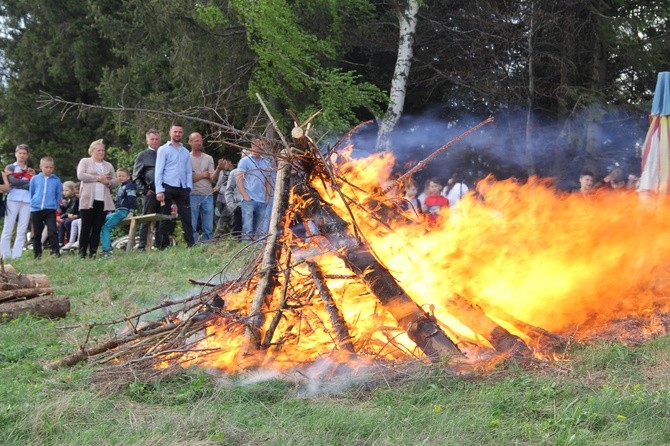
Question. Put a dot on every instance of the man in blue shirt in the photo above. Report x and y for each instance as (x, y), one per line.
(253, 182)
(174, 180)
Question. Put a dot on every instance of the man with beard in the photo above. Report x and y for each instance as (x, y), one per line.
(174, 181)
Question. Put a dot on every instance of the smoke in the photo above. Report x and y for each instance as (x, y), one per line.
(595, 138)
(324, 376)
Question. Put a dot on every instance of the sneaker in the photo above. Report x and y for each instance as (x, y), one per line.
(66, 247)
(75, 245)
(106, 254)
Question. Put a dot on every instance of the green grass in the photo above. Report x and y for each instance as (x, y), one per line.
(606, 394)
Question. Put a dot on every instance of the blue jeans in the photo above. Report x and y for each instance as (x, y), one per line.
(253, 213)
(111, 221)
(202, 206)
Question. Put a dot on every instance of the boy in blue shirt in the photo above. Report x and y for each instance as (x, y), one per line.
(126, 201)
(46, 190)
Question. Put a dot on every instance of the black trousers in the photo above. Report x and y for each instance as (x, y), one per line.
(91, 224)
(236, 225)
(149, 206)
(181, 197)
(40, 219)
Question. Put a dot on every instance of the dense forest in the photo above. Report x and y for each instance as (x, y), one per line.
(569, 83)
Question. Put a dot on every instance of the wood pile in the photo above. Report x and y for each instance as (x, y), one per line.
(29, 293)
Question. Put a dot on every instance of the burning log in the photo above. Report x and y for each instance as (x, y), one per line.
(339, 325)
(423, 330)
(474, 317)
(268, 270)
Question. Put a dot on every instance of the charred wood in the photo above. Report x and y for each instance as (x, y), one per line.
(336, 318)
(474, 317)
(423, 330)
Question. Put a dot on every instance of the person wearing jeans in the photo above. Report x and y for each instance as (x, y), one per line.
(202, 194)
(126, 202)
(253, 182)
(17, 205)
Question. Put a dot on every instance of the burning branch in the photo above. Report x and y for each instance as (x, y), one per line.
(421, 164)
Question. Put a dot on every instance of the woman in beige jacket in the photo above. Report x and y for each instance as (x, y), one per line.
(97, 177)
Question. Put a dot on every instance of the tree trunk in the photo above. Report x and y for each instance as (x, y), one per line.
(47, 306)
(530, 158)
(407, 19)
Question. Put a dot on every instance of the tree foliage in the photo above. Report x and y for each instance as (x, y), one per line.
(592, 63)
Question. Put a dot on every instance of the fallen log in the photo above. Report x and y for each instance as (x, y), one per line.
(46, 306)
(423, 330)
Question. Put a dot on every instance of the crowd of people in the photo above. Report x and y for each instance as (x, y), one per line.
(80, 216)
(212, 200)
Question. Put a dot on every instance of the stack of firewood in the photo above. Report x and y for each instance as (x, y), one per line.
(29, 293)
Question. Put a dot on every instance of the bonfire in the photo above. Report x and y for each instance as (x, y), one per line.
(517, 270)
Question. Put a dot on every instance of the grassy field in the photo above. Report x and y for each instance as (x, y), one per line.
(605, 394)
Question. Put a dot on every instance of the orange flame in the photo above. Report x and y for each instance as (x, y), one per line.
(563, 263)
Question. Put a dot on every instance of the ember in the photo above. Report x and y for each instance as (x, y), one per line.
(513, 271)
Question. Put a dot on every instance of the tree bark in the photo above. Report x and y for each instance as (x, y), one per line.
(46, 306)
(407, 19)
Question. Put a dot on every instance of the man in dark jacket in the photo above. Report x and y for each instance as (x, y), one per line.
(144, 174)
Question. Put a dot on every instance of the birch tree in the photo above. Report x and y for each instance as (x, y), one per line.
(407, 19)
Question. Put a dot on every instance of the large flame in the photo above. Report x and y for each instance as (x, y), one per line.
(565, 263)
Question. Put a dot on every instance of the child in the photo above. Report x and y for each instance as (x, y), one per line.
(126, 200)
(435, 202)
(410, 201)
(68, 208)
(75, 223)
(18, 204)
(46, 191)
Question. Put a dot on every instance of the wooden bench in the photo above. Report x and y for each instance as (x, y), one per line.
(151, 219)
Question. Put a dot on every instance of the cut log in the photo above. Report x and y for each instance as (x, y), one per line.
(23, 293)
(46, 306)
(10, 279)
(423, 330)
